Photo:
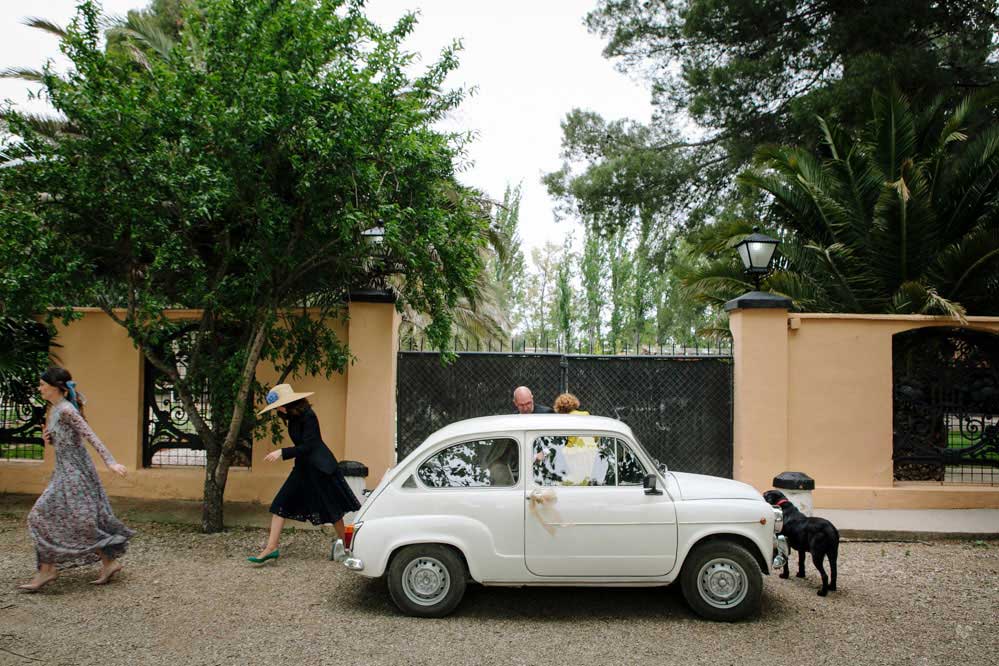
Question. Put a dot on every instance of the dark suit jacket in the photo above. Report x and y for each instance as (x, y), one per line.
(539, 409)
(309, 448)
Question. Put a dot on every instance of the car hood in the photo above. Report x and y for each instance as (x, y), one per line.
(702, 487)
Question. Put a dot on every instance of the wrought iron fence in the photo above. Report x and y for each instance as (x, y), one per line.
(169, 438)
(678, 404)
(946, 405)
(22, 415)
(22, 410)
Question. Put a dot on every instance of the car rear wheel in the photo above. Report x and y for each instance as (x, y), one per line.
(427, 580)
(722, 581)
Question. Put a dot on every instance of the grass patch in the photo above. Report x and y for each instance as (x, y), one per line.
(957, 440)
(22, 452)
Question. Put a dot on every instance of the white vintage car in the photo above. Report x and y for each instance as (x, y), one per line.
(559, 500)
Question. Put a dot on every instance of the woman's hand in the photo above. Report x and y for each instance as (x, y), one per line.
(273, 455)
(46, 437)
(120, 470)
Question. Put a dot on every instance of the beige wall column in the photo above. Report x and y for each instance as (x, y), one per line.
(373, 334)
(759, 338)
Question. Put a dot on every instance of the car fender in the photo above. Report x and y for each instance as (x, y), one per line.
(379, 538)
(750, 520)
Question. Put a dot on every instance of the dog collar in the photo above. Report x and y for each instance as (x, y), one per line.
(780, 502)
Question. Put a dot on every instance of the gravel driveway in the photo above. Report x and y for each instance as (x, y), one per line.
(187, 598)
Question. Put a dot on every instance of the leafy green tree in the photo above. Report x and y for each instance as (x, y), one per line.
(24, 354)
(236, 176)
(616, 174)
(140, 35)
(726, 77)
(642, 282)
(564, 315)
(750, 72)
(593, 272)
(541, 285)
(621, 280)
(508, 267)
(897, 218)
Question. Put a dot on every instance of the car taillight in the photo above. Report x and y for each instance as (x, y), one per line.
(348, 534)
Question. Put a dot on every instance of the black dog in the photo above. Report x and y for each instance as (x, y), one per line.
(808, 535)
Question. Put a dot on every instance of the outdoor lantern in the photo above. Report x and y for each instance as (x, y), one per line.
(757, 253)
(374, 235)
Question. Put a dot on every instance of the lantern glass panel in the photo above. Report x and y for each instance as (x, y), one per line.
(760, 254)
(744, 254)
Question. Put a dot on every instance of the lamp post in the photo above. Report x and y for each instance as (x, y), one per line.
(757, 253)
(374, 236)
(377, 289)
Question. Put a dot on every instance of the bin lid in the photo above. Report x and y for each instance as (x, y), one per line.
(794, 481)
(353, 468)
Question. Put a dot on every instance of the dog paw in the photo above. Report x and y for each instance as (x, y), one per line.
(823, 593)
(784, 575)
(799, 575)
(832, 588)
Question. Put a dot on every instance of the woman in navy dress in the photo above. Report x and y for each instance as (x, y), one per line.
(315, 491)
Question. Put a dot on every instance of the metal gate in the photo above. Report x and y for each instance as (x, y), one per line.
(946, 405)
(678, 404)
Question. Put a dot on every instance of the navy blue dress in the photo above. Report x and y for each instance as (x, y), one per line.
(315, 491)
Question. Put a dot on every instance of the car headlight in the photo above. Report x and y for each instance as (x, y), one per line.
(778, 519)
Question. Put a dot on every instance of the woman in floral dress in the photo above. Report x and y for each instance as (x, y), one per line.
(72, 523)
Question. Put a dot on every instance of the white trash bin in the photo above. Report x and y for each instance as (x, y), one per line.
(797, 487)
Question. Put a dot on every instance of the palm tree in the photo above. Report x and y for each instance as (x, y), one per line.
(141, 34)
(900, 219)
(480, 313)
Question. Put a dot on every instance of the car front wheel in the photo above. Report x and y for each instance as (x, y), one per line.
(722, 581)
(427, 580)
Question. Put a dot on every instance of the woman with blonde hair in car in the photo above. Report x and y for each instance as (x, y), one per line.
(567, 403)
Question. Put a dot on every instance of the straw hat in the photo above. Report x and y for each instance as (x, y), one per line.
(280, 395)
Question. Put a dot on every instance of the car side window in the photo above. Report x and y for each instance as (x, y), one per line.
(630, 471)
(581, 460)
(476, 464)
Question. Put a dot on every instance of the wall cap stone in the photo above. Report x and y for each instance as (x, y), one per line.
(756, 300)
(371, 296)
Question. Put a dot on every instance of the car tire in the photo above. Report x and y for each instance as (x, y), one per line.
(427, 580)
(722, 581)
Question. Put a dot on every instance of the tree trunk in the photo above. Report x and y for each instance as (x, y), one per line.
(211, 507)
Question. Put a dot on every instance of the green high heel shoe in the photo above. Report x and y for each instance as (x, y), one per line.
(273, 555)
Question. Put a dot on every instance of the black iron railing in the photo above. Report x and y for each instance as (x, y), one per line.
(946, 405)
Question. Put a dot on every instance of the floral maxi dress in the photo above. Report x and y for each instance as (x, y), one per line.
(72, 521)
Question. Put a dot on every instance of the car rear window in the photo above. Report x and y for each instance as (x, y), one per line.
(476, 464)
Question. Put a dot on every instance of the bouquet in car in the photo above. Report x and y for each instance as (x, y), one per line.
(580, 454)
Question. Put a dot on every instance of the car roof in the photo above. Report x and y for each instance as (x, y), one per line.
(569, 422)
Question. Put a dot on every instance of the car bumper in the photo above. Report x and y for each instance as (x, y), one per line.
(345, 557)
(780, 551)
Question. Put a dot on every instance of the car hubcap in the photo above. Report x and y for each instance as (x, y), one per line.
(426, 581)
(722, 583)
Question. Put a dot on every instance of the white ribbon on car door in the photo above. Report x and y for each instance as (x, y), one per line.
(544, 499)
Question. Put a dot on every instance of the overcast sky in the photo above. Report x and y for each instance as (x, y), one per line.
(531, 62)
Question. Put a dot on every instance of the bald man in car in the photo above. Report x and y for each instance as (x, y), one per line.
(523, 400)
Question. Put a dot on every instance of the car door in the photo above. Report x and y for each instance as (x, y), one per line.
(476, 487)
(587, 513)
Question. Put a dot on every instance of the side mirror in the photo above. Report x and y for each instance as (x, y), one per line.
(649, 483)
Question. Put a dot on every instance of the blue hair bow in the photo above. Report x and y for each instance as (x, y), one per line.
(71, 385)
